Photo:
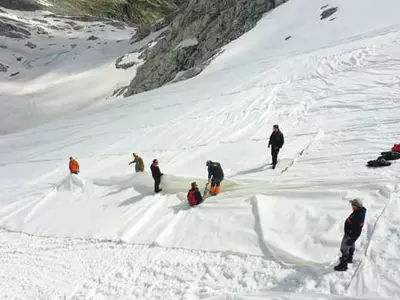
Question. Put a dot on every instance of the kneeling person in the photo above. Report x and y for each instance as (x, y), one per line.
(194, 196)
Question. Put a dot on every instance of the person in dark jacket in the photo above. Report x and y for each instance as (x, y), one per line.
(215, 176)
(194, 196)
(156, 173)
(352, 230)
(276, 141)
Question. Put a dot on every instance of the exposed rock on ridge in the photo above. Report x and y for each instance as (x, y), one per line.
(212, 23)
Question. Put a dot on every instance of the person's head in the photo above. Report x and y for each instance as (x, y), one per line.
(275, 128)
(155, 161)
(134, 154)
(194, 185)
(208, 163)
(356, 203)
(71, 158)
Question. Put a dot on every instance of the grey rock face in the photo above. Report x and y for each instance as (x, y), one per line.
(142, 33)
(13, 31)
(27, 5)
(212, 23)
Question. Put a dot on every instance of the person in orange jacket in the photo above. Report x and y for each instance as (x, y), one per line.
(73, 166)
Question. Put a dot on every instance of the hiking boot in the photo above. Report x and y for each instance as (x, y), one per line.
(273, 166)
(342, 266)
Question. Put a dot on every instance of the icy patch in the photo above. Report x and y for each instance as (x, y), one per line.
(187, 43)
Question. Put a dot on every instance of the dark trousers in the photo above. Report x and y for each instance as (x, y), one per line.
(157, 182)
(216, 181)
(274, 154)
(347, 250)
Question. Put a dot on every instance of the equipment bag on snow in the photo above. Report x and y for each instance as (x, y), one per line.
(396, 148)
(390, 155)
(378, 163)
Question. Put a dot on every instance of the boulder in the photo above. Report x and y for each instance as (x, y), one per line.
(3, 68)
(92, 38)
(31, 45)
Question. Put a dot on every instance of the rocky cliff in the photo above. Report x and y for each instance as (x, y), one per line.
(131, 11)
(195, 36)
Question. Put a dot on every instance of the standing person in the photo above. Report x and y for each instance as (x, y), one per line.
(156, 173)
(352, 230)
(138, 161)
(215, 176)
(194, 196)
(73, 166)
(276, 141)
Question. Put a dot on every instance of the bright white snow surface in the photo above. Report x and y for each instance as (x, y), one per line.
(333, 88)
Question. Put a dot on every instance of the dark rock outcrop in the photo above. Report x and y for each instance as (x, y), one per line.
(92, 38)
(328, 12)
(31, 45)
(3, 68)
(141, 33)
(13, 31)
(27, 5)
(212, 23)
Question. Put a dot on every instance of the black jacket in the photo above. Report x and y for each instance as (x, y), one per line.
(155, 171)
(215, 171)
(276, 140)
(354, 223)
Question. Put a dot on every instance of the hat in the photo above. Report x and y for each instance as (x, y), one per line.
(356, 202)
(70, 158)
(193, 184)
(276, 126)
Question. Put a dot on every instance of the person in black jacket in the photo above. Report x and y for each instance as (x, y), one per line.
(352, 230)
(156, 173)
(215, 176)
(276, 141)
(194, 196)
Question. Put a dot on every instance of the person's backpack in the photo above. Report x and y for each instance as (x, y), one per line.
(396, 148)
(380, 162)
(390, 155)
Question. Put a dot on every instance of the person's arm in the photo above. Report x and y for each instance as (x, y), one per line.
(199, 197)
(210, 174)
(269, 143)
(132, 162)
(282, 141)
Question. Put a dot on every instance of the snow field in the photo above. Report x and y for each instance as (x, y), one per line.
(275, 234)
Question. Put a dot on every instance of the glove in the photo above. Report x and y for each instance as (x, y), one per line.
(162, 174)
(350, 242)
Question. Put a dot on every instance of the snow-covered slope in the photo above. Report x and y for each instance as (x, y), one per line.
(333, 88)
(56, 66)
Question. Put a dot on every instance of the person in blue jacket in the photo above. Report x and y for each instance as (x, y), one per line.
(352, 230)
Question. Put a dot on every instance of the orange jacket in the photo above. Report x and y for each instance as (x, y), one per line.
(73, 166)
